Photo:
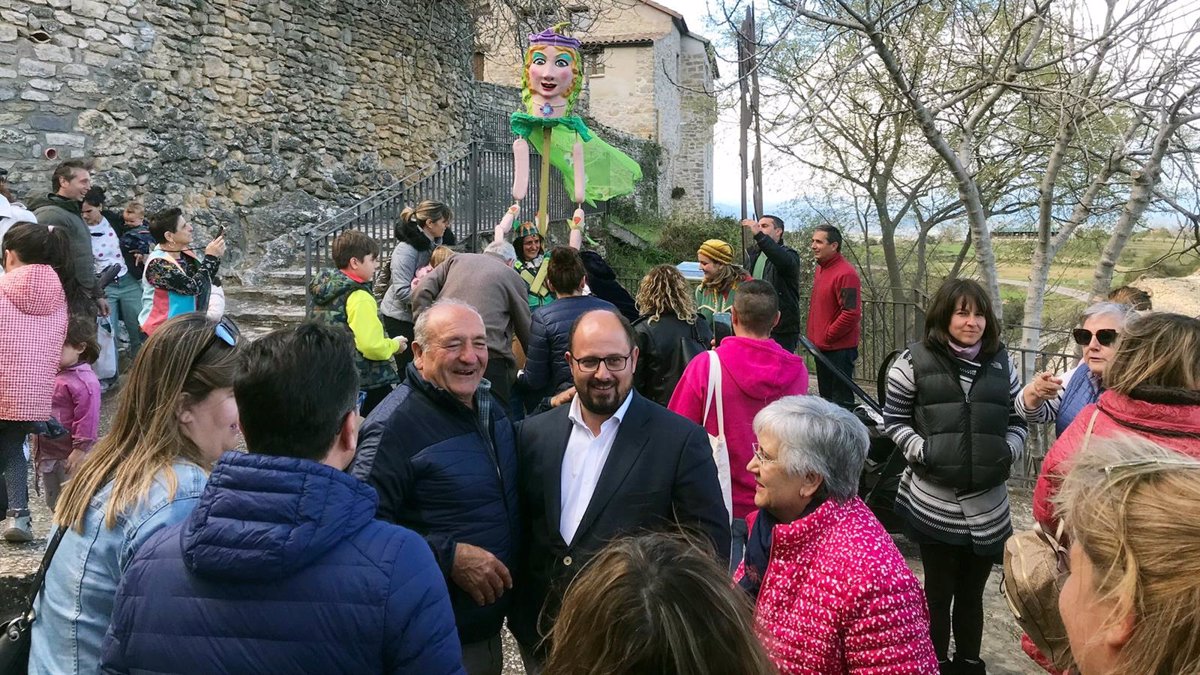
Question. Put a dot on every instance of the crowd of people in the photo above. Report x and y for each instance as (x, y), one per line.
(631, 483)
(81, 281)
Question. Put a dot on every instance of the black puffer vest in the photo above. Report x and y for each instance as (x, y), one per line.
(965, 443)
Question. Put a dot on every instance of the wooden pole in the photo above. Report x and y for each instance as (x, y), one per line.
(744, 121)
(754, 111)
(543, 212)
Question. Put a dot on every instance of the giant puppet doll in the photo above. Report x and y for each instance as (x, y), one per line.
(592, 169)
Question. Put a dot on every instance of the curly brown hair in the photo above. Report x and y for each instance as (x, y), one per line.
(664, 291)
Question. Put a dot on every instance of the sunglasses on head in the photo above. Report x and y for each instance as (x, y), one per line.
(225, 331)
(1105, 336)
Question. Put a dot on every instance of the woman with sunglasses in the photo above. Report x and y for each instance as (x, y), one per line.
(174, 418)
(950, 409)
(1059, 398)
(1129, 602)
(1152, 389)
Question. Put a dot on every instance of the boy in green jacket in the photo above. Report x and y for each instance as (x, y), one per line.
(343, 297)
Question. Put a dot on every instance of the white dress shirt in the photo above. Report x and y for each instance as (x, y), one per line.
(582, 463)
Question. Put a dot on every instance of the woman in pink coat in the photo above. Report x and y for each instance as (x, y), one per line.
(832, 593)
(33, 324)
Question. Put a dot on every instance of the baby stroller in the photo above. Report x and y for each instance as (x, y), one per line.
(880, 479)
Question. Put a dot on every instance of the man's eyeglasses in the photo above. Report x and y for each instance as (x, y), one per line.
(1105, 336)
(226, 331)
(614, 364)
(760, 455)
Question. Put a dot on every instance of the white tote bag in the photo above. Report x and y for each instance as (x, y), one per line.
(719, 447)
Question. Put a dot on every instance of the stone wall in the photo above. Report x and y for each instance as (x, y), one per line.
(693, 170)
(667, 95)
(259, 115)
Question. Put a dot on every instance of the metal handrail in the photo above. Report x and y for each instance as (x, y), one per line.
(474, 179)
(331, 222)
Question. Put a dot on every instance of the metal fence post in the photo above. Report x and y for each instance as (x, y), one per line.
(473, 195)
(308, 273)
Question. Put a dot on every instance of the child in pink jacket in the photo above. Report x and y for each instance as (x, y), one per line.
(33, 323)
(76, 405)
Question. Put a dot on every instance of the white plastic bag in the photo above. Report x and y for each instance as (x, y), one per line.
(106, 365)
(216, 304)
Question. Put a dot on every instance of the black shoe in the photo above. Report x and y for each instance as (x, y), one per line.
(947, 667)
(968, 667)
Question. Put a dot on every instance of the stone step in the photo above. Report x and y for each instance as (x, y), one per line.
(258, 318)
(288, 276)
(267, 294)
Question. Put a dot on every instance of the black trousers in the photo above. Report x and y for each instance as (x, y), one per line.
(955, 579)
(829, 385)
(396, 327)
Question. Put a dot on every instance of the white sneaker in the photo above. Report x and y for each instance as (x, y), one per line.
(18, 529)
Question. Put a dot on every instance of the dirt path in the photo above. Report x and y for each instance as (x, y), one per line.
(1057, 290)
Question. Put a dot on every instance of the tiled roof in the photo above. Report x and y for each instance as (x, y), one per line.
(628, 39)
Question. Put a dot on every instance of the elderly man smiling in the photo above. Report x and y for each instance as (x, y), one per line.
(439, 451)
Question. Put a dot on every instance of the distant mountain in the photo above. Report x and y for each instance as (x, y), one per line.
(732, 210)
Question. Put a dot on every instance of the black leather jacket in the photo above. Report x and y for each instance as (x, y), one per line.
(665, 347)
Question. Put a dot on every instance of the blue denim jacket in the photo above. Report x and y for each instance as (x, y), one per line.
(73, 610)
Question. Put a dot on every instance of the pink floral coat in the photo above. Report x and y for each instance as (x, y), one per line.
(837, 597)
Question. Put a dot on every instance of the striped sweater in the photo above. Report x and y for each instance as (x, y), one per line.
(980, 518)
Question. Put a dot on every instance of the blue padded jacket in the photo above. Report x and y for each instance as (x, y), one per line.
(282, 568)
(450, 474)
(546, 369)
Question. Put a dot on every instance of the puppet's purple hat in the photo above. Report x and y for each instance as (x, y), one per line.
(550, 37)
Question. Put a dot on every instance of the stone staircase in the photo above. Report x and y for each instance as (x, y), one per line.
(274, 300)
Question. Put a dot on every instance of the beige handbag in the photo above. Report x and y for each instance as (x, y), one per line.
(1032, 582)
(719, 447)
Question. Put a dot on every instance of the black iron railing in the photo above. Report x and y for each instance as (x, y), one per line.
(474, 179)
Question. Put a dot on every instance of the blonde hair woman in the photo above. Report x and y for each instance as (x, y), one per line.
(1132, 601)
(655, 603)
(716, 291)
(175, 418)
(419, 230)
(668, 333)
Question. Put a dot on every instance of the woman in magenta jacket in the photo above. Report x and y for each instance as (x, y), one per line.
(832, 593)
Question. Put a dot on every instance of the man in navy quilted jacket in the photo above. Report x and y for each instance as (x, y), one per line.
(282, 567)
(441, 452)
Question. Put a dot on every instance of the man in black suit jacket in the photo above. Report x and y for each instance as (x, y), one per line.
(609, 464)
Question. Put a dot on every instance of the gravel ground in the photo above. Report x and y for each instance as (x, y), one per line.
(1001, 640)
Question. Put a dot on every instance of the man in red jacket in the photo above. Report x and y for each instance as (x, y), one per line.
(834, 314)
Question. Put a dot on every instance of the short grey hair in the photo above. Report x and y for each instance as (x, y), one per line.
(1123, 313)
(816, 436)
(421, 327)
(502, 250)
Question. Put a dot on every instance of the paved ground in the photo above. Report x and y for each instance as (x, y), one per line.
(1001, 641)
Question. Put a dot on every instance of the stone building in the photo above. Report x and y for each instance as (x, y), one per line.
(647, 75)
(257, 114)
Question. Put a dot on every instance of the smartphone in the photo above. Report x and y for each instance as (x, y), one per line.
(722, 326)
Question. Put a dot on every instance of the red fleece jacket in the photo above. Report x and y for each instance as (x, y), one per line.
(835, 310)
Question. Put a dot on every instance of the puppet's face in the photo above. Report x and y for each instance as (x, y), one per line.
(551, 78)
